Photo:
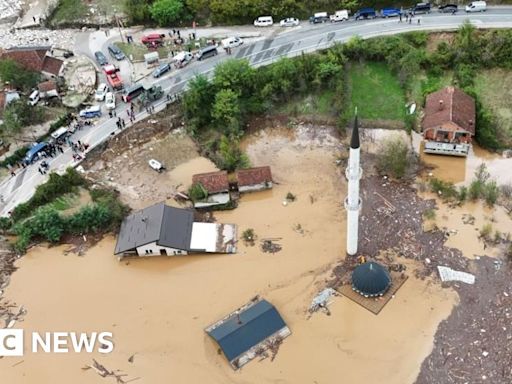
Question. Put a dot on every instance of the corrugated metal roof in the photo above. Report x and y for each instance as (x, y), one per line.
(238, 334)
(168, 226)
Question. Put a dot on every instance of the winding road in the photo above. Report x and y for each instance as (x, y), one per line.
(290, 42)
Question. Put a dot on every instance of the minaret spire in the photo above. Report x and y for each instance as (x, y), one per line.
(353, 201)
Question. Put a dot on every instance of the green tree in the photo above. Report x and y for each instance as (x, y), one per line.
(17, 76)
(393, 157)
(226, 111)
(167, 12)
(19, 114)
(236, 75)
(231, 156)
(138, 11)
(197, 102)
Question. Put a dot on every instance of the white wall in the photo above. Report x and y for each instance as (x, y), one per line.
(154, 250)
(255, 187)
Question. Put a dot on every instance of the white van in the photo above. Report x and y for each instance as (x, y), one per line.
(339, 16)
(33, 98)
(263, 21)
(476, 6)
(232, 42)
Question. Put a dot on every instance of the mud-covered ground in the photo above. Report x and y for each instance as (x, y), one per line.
(474, 344)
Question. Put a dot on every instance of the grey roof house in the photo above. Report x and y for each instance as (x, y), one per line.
(248, 331)
(164, 230)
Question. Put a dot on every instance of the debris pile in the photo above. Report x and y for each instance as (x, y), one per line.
(104, 372)
(322, 300)
(62, 38)
(270, 245)
(9, 9)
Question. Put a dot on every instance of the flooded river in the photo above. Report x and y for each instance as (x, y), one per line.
(157, 308)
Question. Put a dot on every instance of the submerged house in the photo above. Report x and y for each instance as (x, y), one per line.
(254, 179)
(248, 331)
(216, 186)
(163, 230)
(449, 122)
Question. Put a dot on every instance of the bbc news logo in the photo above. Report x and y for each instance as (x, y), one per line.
(12, 342)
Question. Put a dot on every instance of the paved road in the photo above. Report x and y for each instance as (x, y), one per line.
(304, 38)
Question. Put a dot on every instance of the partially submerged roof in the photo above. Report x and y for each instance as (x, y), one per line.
(371, 279)
(450, 105)
(253, 176)
(168, 226)
(52, 65)
(30, 58)
(246, 328)
(214, 182)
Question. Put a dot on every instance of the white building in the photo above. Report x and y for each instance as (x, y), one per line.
(163, 230)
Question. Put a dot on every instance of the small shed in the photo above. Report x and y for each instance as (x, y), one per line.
(248, 331)
(151, 59)
(216, 185)
(254, 179)
(48, 89)
(371, 279)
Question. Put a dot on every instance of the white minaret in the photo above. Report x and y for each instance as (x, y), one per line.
(353, 202)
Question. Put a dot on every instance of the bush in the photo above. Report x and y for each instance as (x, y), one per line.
(444, 189)
(166, 12)
(491, 193)
(90, 219)
(429, 214)
(486, 231)
(18, 77)
(393, 158)
(231, 156)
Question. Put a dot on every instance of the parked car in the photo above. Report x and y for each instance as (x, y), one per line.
(339, 16)
(101, 92)
(33, 152)
(34, 97)
(182, 58)
(208, 51)
(89, 113)
(232, 42)
(289, 22)
(100, 58)
(264, 21)
(365, 13)
(116, 53)
(390, 12)
(162, 68)
(110, 100)
(421, 8)
(319, 17)
(476, 6)
(448, 8)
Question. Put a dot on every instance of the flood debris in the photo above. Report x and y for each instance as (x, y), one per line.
(322, 301)
(270, 245)
(448, 274)
(104, 372)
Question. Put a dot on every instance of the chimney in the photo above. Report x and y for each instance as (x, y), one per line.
(441, 105)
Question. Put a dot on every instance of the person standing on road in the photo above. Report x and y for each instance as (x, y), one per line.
(400, 19)
(419, 19)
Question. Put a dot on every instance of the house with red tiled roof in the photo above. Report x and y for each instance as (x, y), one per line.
(34, 59)
(254, 179)
(48, 89)
(216, 187)
(449, 122)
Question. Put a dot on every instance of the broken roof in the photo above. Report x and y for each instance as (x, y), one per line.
(214, 182)
(450, 104)
(168, 226)
(252, 176)
(46, 86)
(52, 65)
(246, 328)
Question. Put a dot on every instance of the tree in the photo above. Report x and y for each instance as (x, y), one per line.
(19, 114)
(197, 102)
(17, 76)
(394, 157)
(226, 111)
(231, 156)
(137, 10)
(167, 12)
(236, 75)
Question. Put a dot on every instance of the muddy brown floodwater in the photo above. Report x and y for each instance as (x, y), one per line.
(157, 308)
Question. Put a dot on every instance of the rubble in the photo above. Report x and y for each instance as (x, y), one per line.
(9, 9)
(270, 246)
(448, 274)
(62, 38)
(321, 301)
